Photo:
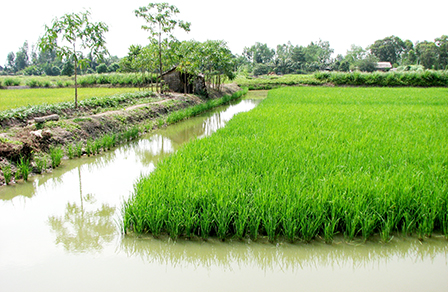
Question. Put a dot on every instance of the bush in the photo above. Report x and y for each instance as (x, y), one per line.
(32, 83)
(261, 69)
(11, 82)
(102, 68)
(55, 71)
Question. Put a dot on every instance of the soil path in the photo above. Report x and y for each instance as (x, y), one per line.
(130, 108)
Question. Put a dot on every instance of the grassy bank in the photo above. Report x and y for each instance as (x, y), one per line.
(93, 135)
(308, 162)
(91, 98)
(114, 79)
(12, 99)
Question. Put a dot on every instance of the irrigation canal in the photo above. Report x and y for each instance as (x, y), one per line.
(59, 232)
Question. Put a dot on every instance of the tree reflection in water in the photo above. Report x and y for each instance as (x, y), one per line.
(84, 227)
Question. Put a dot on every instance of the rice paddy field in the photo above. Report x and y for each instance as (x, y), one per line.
(15, 98)
(307, 163)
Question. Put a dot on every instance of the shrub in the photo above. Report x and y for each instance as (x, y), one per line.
(32, 83)
(102, 68)
(7, 173)
(56, 154)
(24, 167)
(11, 82)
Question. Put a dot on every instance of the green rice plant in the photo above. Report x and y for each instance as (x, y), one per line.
(90, 147)
(107, 141)
(56, 154)
(7, 173)
(309, 225)
(24, 167)
(206, 218)
(41, 162)
(17, 174)
(78, 149)
(223, 216)
(240, 221)
(70, 151)
(160, 122)
(254, 223)
(97, 144)
(307, 162)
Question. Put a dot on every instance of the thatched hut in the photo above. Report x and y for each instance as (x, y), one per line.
(184, 82)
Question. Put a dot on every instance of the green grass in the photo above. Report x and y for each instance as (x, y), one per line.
(308, 162)
(11, 99)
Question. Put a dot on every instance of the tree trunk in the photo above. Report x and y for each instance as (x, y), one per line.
(160, 57)
(76, 83)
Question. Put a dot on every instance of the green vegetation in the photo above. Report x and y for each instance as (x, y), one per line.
(81, 34)
(24, 167)
(13, 99)
(417, 79)
(274, 81)
(7, 174)
(56, 154)
(306, 162)
(41, 161)
(101, 101)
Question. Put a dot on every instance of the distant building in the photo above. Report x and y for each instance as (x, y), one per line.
(184, 82)
(383, 66)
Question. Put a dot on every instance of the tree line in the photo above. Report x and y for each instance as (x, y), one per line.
(33, 61)
(288, 58)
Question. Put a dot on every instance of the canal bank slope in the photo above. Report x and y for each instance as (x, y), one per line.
(35, 139)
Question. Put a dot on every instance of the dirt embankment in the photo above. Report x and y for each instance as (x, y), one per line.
(21, 140)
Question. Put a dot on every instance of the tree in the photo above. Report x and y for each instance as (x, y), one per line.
(259, 53)
(442, 45)
(22, 60)
(428, 54)
(161, 23)
(355, 54)
(81, 34)
(10, 60)
(101, 68)
(388, 49)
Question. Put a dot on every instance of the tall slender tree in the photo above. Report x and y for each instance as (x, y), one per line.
(161, 22)
(77, 33)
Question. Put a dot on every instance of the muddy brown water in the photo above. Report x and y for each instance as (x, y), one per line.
(60, 232)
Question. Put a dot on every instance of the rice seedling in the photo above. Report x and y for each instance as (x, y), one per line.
(309, 162)
(7, 173)
(78, 149)
(24, 167)
(70, 151)
(41, 163)
(56, 154)
(17, 174)
(97, 146)
(90, 147)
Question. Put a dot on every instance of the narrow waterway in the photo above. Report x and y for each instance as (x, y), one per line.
(60, 232)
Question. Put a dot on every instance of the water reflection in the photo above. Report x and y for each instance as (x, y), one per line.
(80, 230)
(283, 256)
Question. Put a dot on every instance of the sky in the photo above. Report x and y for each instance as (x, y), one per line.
(240, 23)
